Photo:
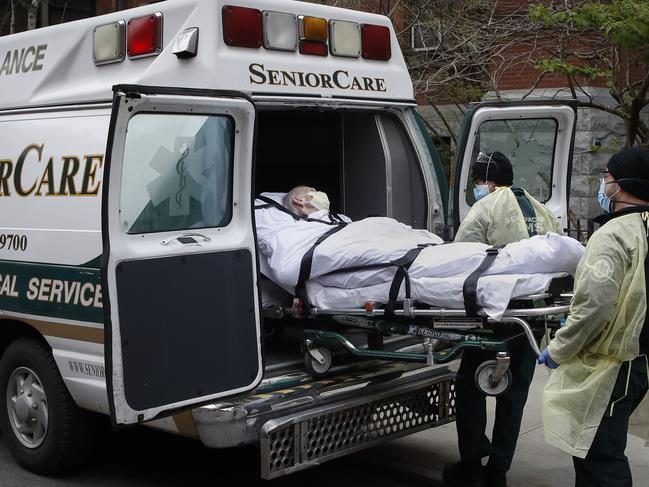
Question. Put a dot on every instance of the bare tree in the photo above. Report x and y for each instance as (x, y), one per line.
(603, 44)
(32, 7)
(456, 51)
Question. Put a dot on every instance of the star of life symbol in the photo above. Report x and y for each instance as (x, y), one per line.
(181, 176)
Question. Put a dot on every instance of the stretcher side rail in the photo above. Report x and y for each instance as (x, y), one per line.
(436, 312)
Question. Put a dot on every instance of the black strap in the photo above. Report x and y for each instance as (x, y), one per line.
(470, 287)
(307, 261)
(401, 274)
(335, 220)
(280, 207)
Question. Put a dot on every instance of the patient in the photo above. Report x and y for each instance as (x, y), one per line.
(305, 200)
(344, 257)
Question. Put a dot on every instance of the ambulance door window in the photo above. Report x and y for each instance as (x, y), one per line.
(177, 172)
(529, 144)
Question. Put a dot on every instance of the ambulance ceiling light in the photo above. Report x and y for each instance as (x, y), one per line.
(280, 31)
(376, 42)
(242, 26)
(345, 38)
(144, 35)
(109, 43)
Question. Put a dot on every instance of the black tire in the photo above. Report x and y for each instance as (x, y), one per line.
(70, 431)
(314, 367)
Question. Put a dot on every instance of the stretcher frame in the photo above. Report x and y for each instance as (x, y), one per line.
(450, 325)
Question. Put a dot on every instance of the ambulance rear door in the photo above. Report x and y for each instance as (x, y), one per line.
(179, 268)
(536, 136)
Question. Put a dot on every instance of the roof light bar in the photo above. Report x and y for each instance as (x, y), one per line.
(345, 38)
(280, 31)
(144, 36)
(109, 43)
(376, 42)
(242, 27)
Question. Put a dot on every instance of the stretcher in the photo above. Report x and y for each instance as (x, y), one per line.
(443, 333)
(379, 277)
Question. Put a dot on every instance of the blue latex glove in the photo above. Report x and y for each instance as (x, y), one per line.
(545, 358)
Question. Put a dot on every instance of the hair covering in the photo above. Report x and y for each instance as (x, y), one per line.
(630, 168)
(494, 167)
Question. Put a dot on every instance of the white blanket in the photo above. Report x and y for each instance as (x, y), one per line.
(436, 276)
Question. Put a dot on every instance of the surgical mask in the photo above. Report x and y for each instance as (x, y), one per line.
(319, 200)
(606, 202)
(480, 191)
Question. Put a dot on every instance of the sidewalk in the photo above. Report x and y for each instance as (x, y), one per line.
(536, 463)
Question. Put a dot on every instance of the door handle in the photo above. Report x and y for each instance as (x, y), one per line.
(187, 238)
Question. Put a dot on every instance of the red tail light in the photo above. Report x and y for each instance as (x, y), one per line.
(144, 35)
(242, 27)
(376, 42)
(314, 48)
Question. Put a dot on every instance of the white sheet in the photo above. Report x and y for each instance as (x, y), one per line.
(437, 275)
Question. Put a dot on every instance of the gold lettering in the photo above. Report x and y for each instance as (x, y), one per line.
(6, 168)
(48, 179)
(70, 168)
(18, 171)
(93, 162)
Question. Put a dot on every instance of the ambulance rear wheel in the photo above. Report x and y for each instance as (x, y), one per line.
(42, 426)
(316, 367)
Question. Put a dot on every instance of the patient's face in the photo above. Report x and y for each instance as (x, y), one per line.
(301, 200)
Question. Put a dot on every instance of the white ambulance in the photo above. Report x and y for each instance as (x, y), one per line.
(131, 148)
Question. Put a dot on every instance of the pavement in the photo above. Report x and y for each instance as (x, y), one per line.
(536, 464)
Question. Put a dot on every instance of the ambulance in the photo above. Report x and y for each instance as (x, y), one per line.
(132, 146)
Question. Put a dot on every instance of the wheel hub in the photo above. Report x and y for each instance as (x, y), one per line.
(21, 408)
(27, 407)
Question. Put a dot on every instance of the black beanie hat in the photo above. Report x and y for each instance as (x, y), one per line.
(630, 168)
(494, 167)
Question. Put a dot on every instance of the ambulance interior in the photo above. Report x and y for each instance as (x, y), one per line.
(363, 160)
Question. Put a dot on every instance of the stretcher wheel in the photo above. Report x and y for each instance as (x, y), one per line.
(484, 383)
(315, 366)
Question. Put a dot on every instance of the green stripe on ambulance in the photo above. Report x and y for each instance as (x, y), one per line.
(51, 290)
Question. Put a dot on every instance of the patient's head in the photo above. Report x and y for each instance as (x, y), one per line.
(304, 200)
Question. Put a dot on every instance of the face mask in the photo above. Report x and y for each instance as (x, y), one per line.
(606, 202)
(319, 200)
(480, 191)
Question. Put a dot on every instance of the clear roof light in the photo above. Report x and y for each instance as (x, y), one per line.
(109, 43)
(280, 31)
(345, 38)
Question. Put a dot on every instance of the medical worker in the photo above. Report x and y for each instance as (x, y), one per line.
(502, 214)
(599, 355)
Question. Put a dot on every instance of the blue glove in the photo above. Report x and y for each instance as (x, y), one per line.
(545, 358)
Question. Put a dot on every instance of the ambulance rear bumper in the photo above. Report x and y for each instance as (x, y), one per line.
(318, 420)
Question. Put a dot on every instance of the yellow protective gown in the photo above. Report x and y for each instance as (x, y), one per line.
(497, 219)
(603, 329)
